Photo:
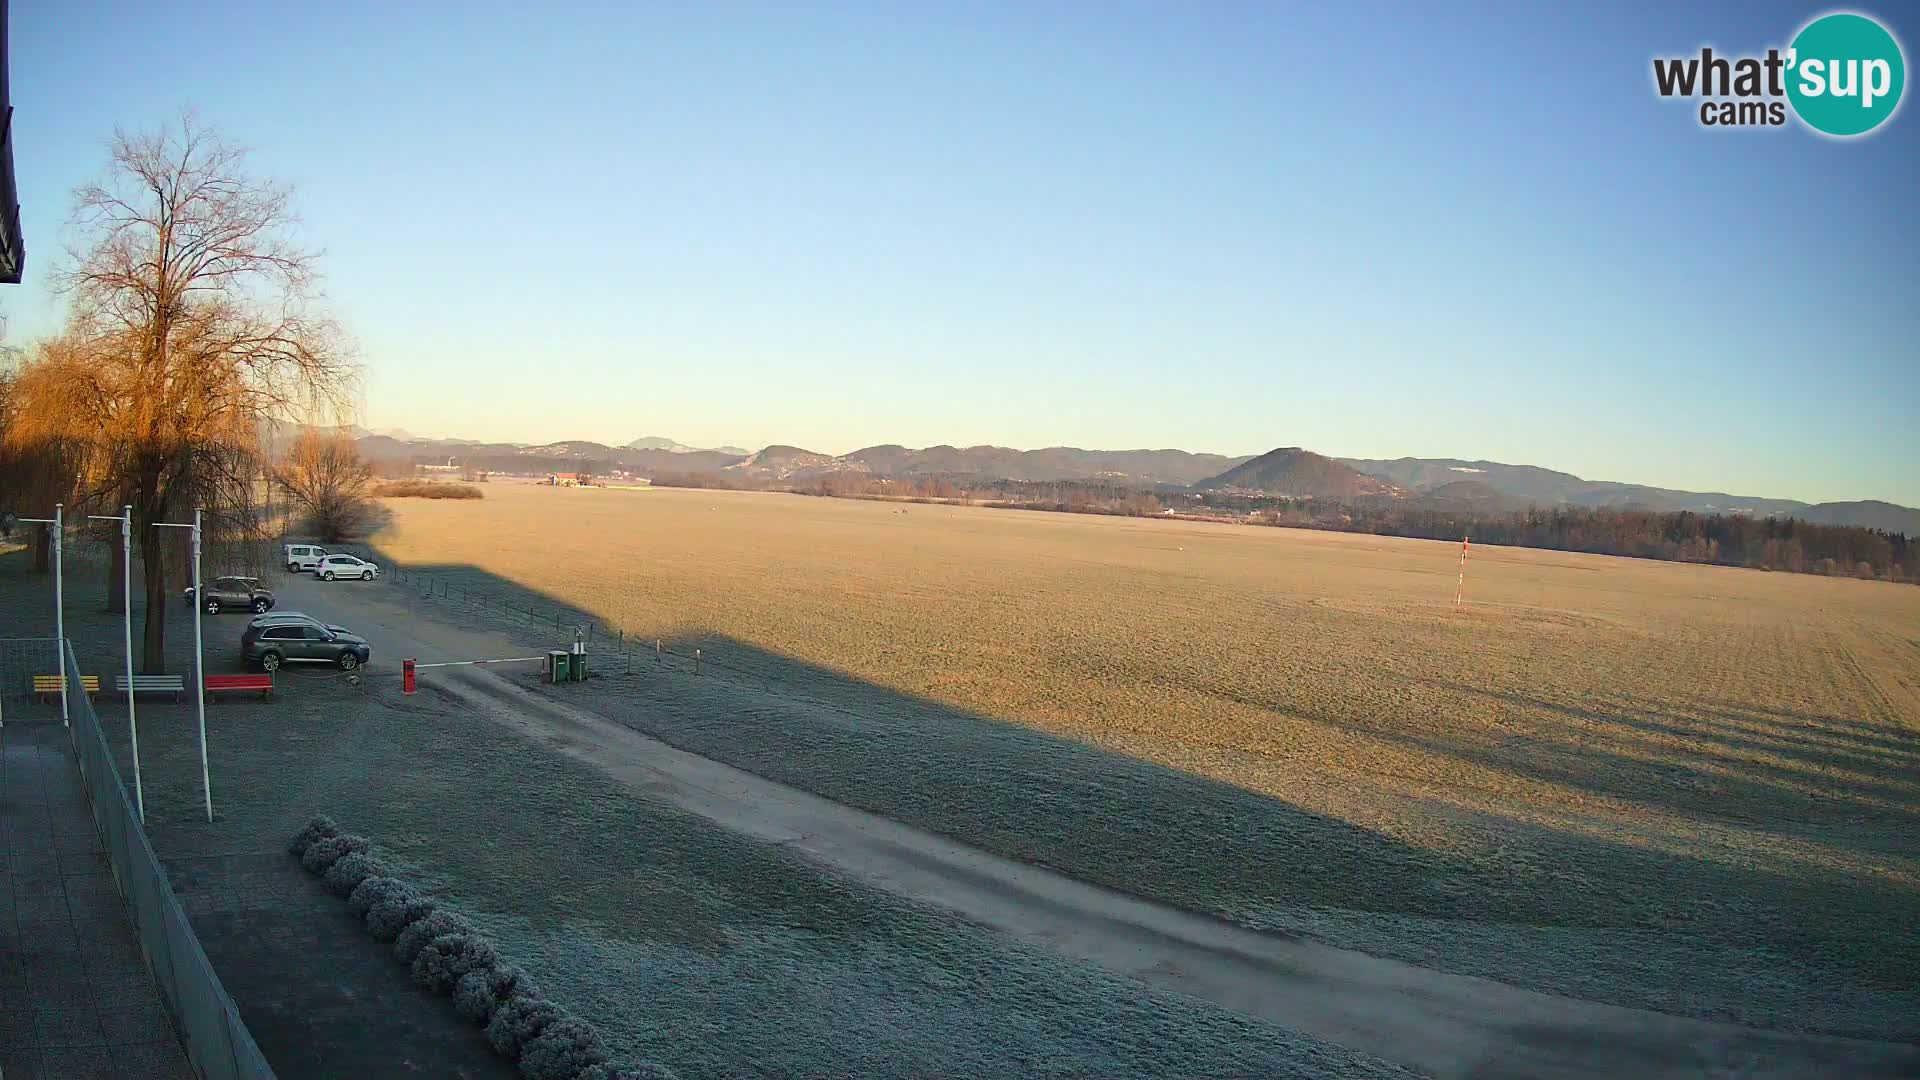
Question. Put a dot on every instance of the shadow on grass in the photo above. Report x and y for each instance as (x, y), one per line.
(1191, 841)
(1713, 764)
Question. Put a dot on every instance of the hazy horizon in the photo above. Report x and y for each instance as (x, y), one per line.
(756, 447)
(1407, 233)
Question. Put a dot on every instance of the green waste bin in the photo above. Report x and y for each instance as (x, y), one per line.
(579, 667)
(559, 667)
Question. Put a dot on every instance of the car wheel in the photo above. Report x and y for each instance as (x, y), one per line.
(293, 568)
(348, 661)
(213, 606)
(270, 661)
(366, 575)
(260, 606)
(328, 575)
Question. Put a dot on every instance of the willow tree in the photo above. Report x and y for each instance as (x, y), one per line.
(192, 326)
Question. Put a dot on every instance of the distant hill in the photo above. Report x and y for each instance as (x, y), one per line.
(1476, 496)
(1867, 513)
(782, 463)
(1546, 487)
(1443, 483)
(1523, 485)
(656, 442)
(1301, 474)
(1176, 467)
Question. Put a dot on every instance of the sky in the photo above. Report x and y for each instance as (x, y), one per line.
(1372, 232)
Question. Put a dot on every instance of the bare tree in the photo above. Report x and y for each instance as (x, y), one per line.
(191, 325)
(326, 477)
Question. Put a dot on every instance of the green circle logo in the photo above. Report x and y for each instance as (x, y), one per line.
(1845, 74)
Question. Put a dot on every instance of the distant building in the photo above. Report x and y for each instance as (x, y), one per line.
(449, 467)
(564, 479)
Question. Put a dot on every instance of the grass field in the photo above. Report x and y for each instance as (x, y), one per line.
(721, 956)
(1680, 787)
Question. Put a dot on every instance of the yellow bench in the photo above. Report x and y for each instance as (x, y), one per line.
(48, 686)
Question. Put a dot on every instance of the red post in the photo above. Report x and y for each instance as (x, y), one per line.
(406, 676)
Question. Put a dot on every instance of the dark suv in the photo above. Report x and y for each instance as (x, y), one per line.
(293, 638)
(233, 594)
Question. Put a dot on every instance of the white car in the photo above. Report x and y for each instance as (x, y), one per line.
(303, 557)
(345, 566)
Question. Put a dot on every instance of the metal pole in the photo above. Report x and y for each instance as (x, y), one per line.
(200, 670)
(199, 657)
(59, 599)
(126, 621)
(60, 607)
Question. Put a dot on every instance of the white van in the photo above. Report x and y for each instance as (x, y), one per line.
(304, 557)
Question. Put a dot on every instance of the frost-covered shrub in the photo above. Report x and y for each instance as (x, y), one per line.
(419, 935)
(483, 989)
(518, 1020)
(448, 957)
(372, 889)
(318, 827)
(640, 1070)
(561, 1050)
(348, 871)
(393, 913)
(322, 854)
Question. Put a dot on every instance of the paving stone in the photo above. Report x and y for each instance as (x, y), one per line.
(80, 1063)
(70, 1027)
(139, 1024)
(158, 1060)
(18, 1062)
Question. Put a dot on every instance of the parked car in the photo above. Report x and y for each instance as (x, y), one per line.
(345, 566)
(275, 640)
(303, 557)
(233, 594)
(292, 616)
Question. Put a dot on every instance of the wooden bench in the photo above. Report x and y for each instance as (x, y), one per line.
(219, 684)
(49, 686)
(152, 684)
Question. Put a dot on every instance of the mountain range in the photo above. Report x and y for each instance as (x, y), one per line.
(1442, 483)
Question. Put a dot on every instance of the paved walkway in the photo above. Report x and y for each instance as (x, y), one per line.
(76, 999)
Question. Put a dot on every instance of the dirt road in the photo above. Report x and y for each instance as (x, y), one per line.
(1447, 1025)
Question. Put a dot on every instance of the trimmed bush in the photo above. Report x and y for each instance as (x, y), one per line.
(390, 915)
(319, 827)
(449, 957)
(561, 1050)
(643, 1070)
(481, 990)
(322, 854)
(517, 1021)
(347, 872)
(372, 889)
(419, 935)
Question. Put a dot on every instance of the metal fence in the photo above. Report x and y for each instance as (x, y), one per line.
(217, 1042)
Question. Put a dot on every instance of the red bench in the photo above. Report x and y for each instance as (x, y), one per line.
(221, 683)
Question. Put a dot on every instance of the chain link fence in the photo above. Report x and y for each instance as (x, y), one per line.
(20, 660)
(217, 1041)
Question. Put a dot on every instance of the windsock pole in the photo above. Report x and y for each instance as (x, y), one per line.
(1461, 588)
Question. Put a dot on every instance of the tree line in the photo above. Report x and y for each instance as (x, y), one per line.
(1762, 543)
(1767, 543)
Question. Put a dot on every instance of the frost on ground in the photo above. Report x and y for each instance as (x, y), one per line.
(644, 919)
(958, 1005)
(1655, 785)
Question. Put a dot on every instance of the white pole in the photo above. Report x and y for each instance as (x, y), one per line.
(126, 601)
(1460, 589)
(200, 668)
(60, 608)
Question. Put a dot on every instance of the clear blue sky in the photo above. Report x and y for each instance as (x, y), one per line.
(1372, 232)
